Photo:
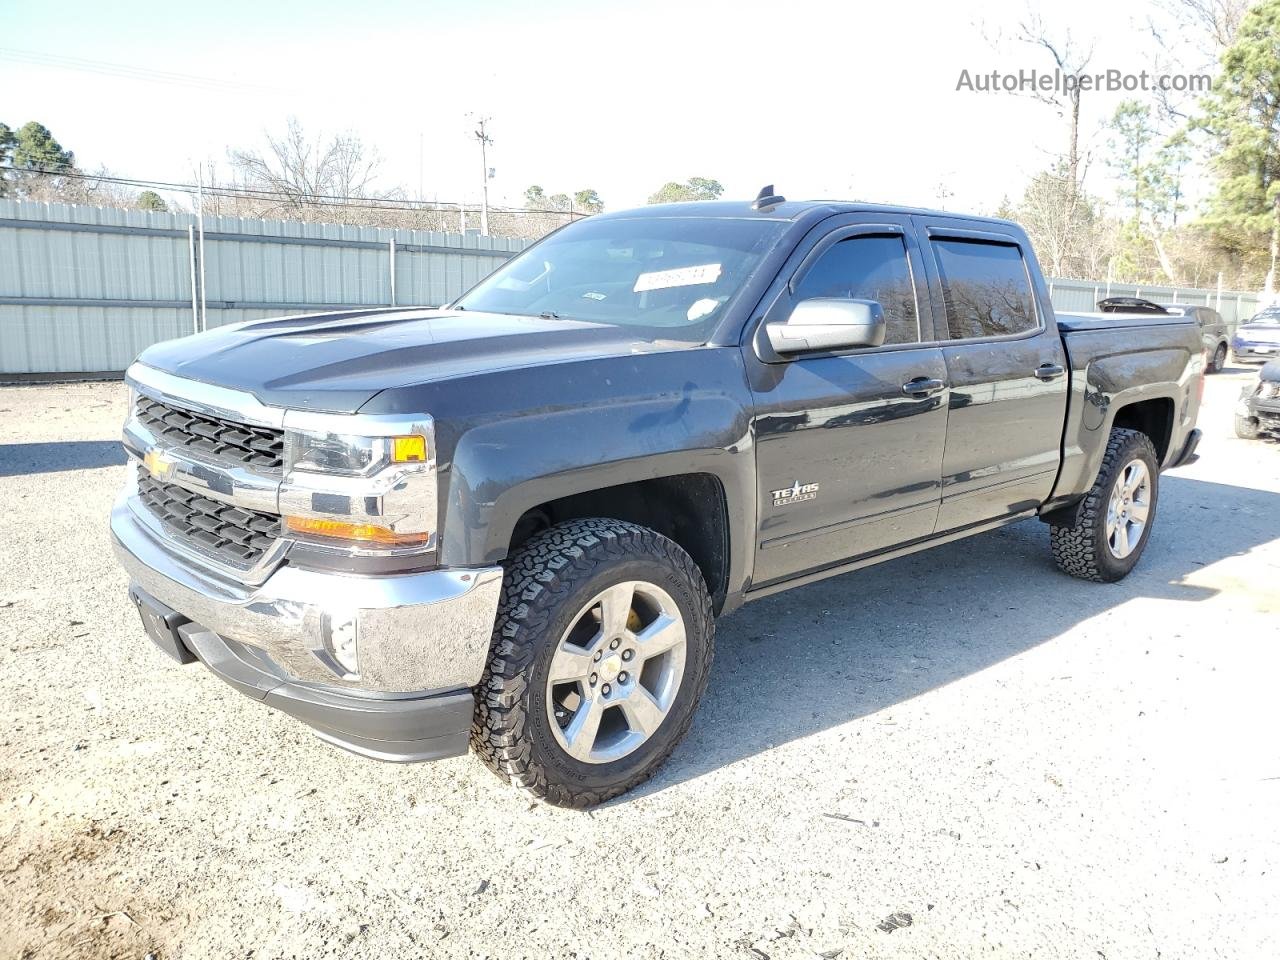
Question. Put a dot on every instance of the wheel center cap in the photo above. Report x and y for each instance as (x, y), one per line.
(611, 667)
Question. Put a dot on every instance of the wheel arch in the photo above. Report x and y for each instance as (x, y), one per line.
(691, 509)
(1153, 416)
(1151, 413)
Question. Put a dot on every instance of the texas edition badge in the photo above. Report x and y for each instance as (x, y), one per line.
(795, 493)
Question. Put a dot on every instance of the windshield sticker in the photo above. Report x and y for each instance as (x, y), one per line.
(702, 308)
(593, 295)
(680, 277)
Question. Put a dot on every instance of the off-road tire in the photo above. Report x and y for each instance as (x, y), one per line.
(1080, 548)
(546, 583)
(1247, 428)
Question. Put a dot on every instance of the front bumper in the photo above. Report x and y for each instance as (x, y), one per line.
(1188, 452)
(400, 729)
(1255, 353)
(423, 640)
(1266, 412)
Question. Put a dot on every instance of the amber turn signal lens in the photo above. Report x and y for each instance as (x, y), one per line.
(362, 532)
(409, 449)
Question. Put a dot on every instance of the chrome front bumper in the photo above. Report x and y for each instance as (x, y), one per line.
(415, 632)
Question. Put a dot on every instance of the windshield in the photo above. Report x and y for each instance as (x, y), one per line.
(671, 277)
(1267, 318)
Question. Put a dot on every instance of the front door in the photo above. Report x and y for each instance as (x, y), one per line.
(849, 462)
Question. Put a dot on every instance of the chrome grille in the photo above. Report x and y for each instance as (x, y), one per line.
(232, 534)
(259, 448)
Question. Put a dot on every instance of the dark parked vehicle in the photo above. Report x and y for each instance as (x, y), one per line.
(513, 522)
(1258, 412)
(1213, 333)
(1258, 340)
(1213, 329)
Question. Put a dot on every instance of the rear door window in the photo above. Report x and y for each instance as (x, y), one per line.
(986, 289)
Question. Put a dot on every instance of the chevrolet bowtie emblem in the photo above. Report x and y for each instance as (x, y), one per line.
(157, 464)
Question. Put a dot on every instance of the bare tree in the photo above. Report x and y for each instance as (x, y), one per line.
(1071, 59)
(1191, 33)
(1058, 216)
(300, 172)
(1212, 24)
(80, 188)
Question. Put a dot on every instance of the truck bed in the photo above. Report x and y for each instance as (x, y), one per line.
(1076, 322)
(1118, 359)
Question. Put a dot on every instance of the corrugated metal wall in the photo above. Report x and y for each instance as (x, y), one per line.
(1082, 296)
(86, 289)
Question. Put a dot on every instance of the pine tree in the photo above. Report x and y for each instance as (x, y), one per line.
(36, 149)
(1242, 116)
(7, 143)
(150, 200)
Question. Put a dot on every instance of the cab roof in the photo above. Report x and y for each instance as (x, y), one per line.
(790, 210)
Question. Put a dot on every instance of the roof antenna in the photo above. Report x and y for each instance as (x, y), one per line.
(766, 199)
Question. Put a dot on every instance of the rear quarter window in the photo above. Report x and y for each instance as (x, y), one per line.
(985, 287)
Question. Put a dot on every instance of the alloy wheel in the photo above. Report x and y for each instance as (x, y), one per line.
(616, 672)
(1128, 509)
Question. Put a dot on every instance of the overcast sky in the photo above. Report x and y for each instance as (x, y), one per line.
(824, 99)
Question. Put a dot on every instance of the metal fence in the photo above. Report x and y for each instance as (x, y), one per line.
(86, 289)
(1082, 296)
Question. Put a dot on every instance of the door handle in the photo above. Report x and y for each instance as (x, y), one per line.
(1048, 371)
(922, 386)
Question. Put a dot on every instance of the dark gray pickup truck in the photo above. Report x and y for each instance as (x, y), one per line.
(514, 521)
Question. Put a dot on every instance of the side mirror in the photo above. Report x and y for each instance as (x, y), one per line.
(828, 323)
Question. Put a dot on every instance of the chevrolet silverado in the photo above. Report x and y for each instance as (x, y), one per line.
(511, 523)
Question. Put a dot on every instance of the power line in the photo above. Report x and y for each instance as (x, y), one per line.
(260, 193)
(130, 72)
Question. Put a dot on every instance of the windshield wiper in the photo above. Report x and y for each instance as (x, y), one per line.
(549, 315)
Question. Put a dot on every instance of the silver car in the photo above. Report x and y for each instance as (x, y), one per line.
(1258, 340)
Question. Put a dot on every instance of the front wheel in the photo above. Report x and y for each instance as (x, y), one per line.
(1111, 526)
(1247, 428)
(600, 655)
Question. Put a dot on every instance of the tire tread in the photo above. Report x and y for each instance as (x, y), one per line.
(1077, 548)
(538, 577)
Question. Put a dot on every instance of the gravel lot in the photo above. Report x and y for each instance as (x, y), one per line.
(958, 753)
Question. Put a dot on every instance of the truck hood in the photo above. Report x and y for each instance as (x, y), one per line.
(337, 362)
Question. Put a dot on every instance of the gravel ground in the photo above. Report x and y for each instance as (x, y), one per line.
(956, 753)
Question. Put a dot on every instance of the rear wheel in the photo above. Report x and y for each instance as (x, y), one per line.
(1247, 428)
(1110, 528)
(601, 653)
(1219, 361)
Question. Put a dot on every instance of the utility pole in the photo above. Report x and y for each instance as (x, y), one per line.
(483, 138)
(204, 314)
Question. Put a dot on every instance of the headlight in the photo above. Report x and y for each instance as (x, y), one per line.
(371, 492)
(349, 456)
(333, 453)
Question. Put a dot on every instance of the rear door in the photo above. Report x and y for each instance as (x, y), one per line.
(849, 463)
(1007, 372)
